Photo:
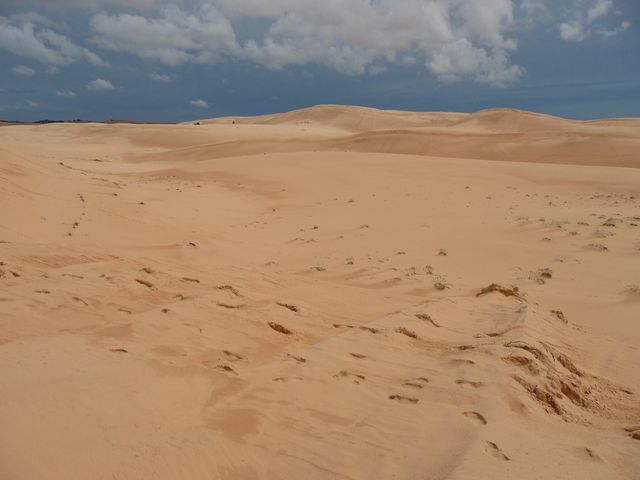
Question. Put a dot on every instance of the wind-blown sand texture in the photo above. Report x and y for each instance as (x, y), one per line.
(335, 292)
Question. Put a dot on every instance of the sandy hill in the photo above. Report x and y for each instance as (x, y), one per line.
(348, 118)
(493, 134)
(364, 119)
(331, 293)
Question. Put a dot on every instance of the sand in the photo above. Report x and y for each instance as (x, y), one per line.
(335, 292)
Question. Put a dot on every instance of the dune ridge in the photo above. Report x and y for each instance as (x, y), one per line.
(335, 292)
(492, 134)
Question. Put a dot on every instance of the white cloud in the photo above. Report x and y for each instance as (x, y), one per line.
(600, 9)
(159, 77)
(65, 93)
(94, 3)
(574, 31)
(32, 17)
(534, 12)
(22, 36)
(199, 103)
(581, 25)
(31, 103)
(454, 39)
(353, 37)
(23, 70)
(176, 38)
(100, 85)
(624, 26)
(461, 59)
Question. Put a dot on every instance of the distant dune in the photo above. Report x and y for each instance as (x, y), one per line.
(352, 119)
(330, 293)
(494, 134)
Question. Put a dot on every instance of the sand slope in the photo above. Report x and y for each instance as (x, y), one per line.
(328, 293)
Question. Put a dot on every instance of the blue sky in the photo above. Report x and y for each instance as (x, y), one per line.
(184, 59)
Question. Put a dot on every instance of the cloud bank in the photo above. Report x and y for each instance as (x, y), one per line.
(25, 35)
(454, 40)
(354, 37)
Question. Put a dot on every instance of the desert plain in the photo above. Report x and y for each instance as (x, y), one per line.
(330, 293)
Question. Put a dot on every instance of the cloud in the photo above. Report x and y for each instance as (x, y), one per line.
(574, 31)
(534, 12)
(600, 9)
(22, 36)
(100, 85)
(455, 40)
(354, 37)
(93, 3)
(199, 103)
(461, 59)
(624, 26)
(581, 25)
(65, 93)
(31, 103)
(158, 77)
(32, 17)
(23, 70)
(175, 38)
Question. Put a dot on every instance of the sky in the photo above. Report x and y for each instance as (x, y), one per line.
(175, 60)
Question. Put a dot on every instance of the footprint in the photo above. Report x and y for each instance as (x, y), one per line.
(357, 378)
(560, 316)
(494, 287)
(72, 275)
(633, 432)
(233, 356)
(358, 355)
(227, 305)
(476, 417)
(288, 306)
(228, 369)
(144, 282)
(285, 379)
(592, 454)
(280, 329)
(407, 332)
(462, 348)
(493, 449)
(461, 361)
(229, 288)
(427, 318)
(470, 383)
(297, 359)
(370, 329)
(416, 382)
(403, 399)
(78, 299)
(337, 325)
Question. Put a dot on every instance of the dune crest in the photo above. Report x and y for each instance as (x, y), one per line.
(492, 134)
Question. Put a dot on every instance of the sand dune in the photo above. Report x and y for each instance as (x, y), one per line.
(348, 118)
(335, 292)
(495, 134)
